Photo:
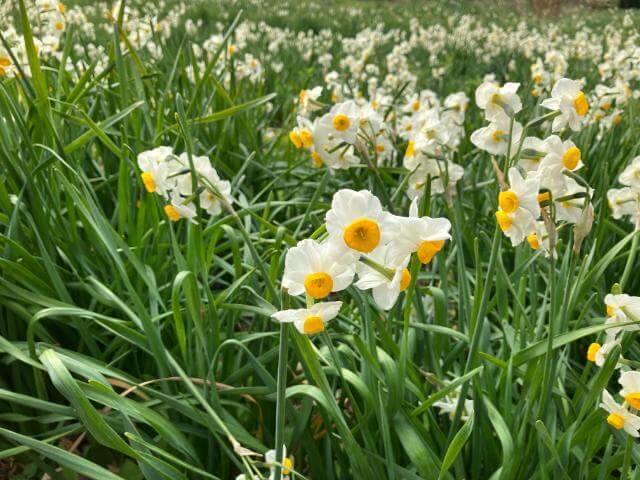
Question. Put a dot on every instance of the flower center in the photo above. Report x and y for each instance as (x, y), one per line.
(287, 465)
(610, 311)
(362, 235)
(633, 399)
(592, 351)
(498, 136)
(508, 201)
(313, 325)
(306, 138)
(428, 249)
(405, 280)
(615, 420)
(172, 213)
(59, 26)
(5, 62)
(318, 285)
(537, 79)
(543, 197)
(341, 122)
(303, 96)
(533, 241)
(380, 148)
(416, 105)
(317, 159)
(411, 149)
(149, 182)
(571, 158)
(504, 220)
(295, 138)
(581, 104)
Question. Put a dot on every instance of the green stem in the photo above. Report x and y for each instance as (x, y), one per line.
(280, 395)
(630, 259)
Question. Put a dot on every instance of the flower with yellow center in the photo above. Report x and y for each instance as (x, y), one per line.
(294, 136)
(543, 197)
(341, 122)
(504, 220)
(306, 138)
(385, 276)
(498, 100)
(592, 351)
(318, 285)
(172, 213)
(619, 416)
(316, 159)
(318, 269)
(581, 103)
(570, 104)
(356, 220)
(630, 391)
(286, 464)
(425, 236)
(309, 321)
(159, 168)
(571, 158)
(362, 235)
(149, 183)
(494, 138)
(533, 241)
(411, 149)
(508, 201)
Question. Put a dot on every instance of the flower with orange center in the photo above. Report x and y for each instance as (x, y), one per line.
(172, 213)
(312, 320)
(405, 280)
(341, 122)
(593, 351)
(533, 241)
(318, 285)
(318, 269)
(619, 416)
(571, 158)
(428, 249)
(581, 104)
(630, 382)
(504, 220)
(295, 139)
(508, 201)
(149, 182)
(316, 159)
(362, 235)
(381, 273)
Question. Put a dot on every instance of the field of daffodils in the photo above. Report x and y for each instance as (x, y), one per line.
(323, 240)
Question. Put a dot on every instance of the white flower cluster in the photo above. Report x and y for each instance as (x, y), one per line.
(371, 129)
(623, 315)
(625, 202)
(170, 176)
(364, 240)
(544, 181)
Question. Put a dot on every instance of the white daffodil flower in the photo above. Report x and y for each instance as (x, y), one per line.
(310, 320)
(569, 100)
(318, 268)
(341, 123)
(630, 391)
(622, 308)
(386, 286)
(357, 220)
(630, 176)
(424, 235)
(619, 417)
(624, 201)
(497, 100)
(158, 168)
(286, 464)
(571, 210)
(179, 208)
(494, 138)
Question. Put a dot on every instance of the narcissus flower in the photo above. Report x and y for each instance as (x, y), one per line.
(286, 464)
(387, 278)
(570, 101)
(180, 208)
(630, 176)
(425, 236)
(341, 123)
(630, 391)
(624, 201)
(357, 220)
(498, 100)
(449, 404)
(494, 138)
(309, 320)
(619, 416)
(598, 353)
(307, 100)
(318, 268)
(623, 308)
(158, 165)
